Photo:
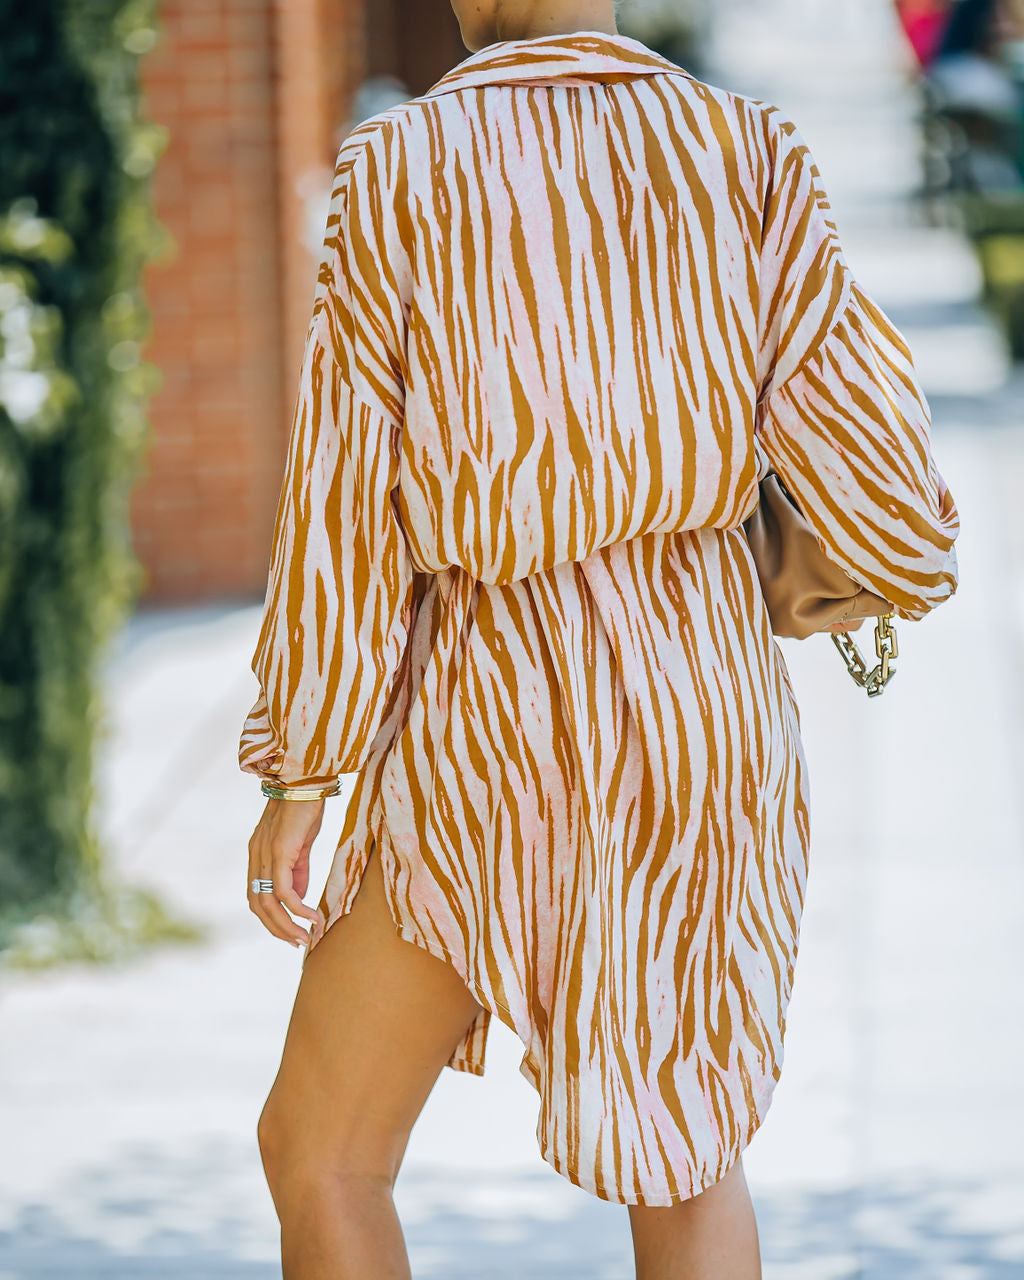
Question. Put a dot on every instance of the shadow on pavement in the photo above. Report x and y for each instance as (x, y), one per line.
(155, 1215)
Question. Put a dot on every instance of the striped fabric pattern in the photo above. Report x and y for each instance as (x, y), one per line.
(572, 304)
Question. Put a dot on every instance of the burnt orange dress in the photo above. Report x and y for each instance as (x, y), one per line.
(572, 304)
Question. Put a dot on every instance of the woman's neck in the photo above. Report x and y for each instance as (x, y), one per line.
(553, 20)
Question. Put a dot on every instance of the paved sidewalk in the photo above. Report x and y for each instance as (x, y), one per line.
(895, 1143)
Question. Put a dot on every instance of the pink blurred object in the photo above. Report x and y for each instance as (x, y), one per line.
(925, 23)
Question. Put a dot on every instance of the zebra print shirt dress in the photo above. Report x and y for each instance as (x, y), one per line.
(572, 304)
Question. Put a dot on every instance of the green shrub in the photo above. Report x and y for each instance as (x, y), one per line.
(995, 222)
(75, 230)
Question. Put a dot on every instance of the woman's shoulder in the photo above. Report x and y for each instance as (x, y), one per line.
(747, 125)
(382, 126)
(717, 100)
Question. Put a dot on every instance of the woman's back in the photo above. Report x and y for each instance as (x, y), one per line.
(588, 270)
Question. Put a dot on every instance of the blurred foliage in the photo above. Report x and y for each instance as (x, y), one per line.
(995, 222)
(76, 228)
(972, 118)
(677, 29)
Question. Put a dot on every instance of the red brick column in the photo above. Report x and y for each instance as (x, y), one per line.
(321, 58)
(202, 515)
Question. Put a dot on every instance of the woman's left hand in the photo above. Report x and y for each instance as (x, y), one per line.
(279, 851)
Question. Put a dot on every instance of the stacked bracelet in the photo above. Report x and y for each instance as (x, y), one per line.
(300, 793)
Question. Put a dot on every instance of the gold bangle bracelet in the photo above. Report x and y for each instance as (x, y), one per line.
(300, 793)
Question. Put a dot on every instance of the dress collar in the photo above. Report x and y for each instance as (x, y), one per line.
(576, 56)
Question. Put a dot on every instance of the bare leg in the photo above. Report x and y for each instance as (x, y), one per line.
(374, 1022)
(711, 1237)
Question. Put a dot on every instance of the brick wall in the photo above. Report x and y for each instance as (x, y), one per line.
(320, 59)
(200, 513)
(255, 94)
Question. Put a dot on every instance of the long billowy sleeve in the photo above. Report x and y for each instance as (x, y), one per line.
(340, 588)
(841, 414)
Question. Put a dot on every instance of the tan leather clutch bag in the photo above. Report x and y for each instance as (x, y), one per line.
(806, 592)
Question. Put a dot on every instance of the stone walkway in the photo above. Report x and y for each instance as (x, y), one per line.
(895, 1143)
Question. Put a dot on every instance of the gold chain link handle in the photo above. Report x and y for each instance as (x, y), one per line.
(886, 648)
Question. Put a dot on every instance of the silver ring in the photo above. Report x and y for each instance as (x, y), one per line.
(261, 886)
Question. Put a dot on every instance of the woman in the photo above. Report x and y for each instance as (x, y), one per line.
(572, 304)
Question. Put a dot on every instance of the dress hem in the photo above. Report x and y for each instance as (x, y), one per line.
(530, 1068)
(633, 1196)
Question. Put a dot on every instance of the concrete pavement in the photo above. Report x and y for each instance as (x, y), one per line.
(895, 1143)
